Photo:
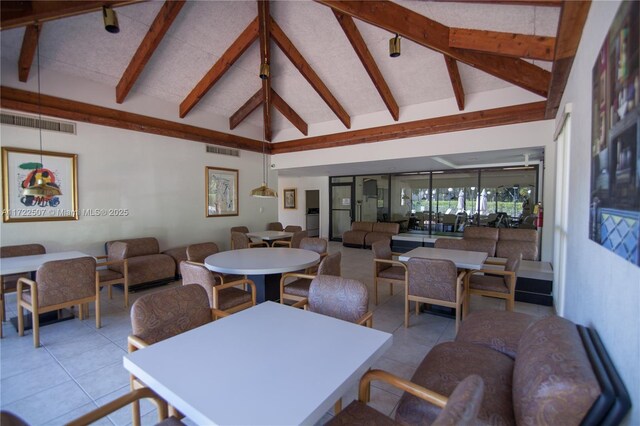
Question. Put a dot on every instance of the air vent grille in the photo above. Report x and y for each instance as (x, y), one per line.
(212, 149)
(35, 123)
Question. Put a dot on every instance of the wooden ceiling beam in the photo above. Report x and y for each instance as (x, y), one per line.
(245, 110)
(356, 40)
(453, 123)
(308, 73)
(505, 44)
(21, 13)
(265, 58)
(456, 81)
(28, 50)
(434, 35)
(549, 3)
(572, 19)
(228, 58)
(22, 100)
(151, 41)
(289, 113)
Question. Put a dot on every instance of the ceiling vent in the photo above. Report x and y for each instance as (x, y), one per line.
(212, 149)
(34, 123)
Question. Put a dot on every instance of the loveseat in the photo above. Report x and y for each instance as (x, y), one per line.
(145, 262)
(500, 242)
(363, 234)
(535, 371)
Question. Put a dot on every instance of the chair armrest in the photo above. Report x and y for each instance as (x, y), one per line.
(33, 288)
(490, 271)
(281, 243)
(395, 253)
(217, 288)
(134, 343)
(400, 383)
(366, 319)
(391, 262)
(104, 256)
(301, 304)
(461, 275)
(260, 244)
(125, 262)
(118, 403)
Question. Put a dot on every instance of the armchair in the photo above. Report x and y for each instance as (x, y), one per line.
(241, 241)
(493, 283)
(293, 243)
(274, 226)
(198, 252)
(8, 282)
(385, 269)
(59, 284)
(298, 289)
(319, 245)
(109, 277)
(292, 228)
(436, 282)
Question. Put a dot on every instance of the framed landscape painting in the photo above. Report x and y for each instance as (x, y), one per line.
(289, 198)
(26, 172)
(221, 192)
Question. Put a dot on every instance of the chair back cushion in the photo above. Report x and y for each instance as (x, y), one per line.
(463, 405)
(198, 252)
(480, 244)
(239, 240)
(22, 250)
(432, 278)
(450, 243)
(62, 281)
(386, 227)
(553, 381)
(515, 234)
(362, 226)
(292, 228)
(138, 246)
(319, 245)
(297, 238)
(274, 226)
(480, 232)
(117, 250)
(242, 229)
(338, 297)
(167, 313)
(196, 273)
(382, 250)
(528, 249)
(330, 265)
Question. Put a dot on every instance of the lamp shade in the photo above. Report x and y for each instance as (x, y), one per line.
(263, 191)
(41, 189)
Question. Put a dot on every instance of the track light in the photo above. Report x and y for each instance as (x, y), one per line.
(394, 46)
(264, 71)
(110, 20)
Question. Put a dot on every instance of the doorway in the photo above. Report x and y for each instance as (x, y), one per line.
(312, 214)
(341, 208)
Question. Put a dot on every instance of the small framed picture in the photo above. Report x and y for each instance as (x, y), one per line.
(221, 191)
(289, 198)
(39, 185)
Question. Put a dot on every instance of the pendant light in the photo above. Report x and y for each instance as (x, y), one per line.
(40, 188)
(263, 191)
(394, 46)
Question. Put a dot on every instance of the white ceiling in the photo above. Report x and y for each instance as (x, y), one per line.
(203, 30)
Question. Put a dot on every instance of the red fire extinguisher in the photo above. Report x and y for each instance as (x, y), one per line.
(539, 217)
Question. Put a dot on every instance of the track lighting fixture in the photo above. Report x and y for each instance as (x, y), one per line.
(394, 46)
(110, 20)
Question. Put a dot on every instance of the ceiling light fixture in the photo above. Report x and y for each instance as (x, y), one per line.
(263, 191)
(394, 46)
(110, 20)
(41, 190)
(264, 70)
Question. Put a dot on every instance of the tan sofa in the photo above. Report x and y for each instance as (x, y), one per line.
(500, 242)
(363, 234)
(535, 371)
(518, 240)
(381, 231)
(146, 263)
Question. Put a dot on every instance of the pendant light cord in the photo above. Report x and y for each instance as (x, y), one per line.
(39, 100)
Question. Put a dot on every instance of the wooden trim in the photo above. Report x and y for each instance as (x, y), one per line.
(228, 58)
(507, 44)
(452, 123)
(456, 81)
(28, 50)
(20, 13)
(572, 19)
(434, 35)
(548, 3)
(308, 73)
(151, 41)
(359, 45)
(245, 110)
(289, 113)
(21, 100)
(265, 58)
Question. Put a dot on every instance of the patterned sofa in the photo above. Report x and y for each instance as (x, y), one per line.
(535, 371)
(146, 263)
(500, 242)
(363, 234)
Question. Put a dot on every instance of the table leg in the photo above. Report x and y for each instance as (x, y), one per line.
(267, 287)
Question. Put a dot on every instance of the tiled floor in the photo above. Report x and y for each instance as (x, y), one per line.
(79, 368)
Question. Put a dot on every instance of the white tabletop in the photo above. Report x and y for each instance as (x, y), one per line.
(20, 264)
(268, 365)
(260, 261)
(463, 259)
(270, 235)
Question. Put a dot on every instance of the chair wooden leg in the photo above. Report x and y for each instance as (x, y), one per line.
(98, 320)
(20, 320)
(417, 308)
(35, 326)
(338, 406)
(81, 311)
(406, 311)
(109, 293)
(135, 407)
(126, 294)
(510, 304)
(375, 290)
(391, 289)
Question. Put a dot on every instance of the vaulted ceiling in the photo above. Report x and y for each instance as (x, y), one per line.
(329, 62)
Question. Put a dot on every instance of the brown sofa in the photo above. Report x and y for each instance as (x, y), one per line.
(146, 263)
(535, 371)
(500, 242)
(522, 240)
(363, 234)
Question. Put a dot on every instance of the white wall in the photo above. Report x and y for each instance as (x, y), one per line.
(603, 289)
(297, 216)
(159, 179)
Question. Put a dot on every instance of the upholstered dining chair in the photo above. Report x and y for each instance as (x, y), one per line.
(293, 243)
(109, 277)
(319, 245)
(59, 284)
(274, 226)
(492, 282)
(8, 282)
(241, 241)
(292, 228)
(460, 408)
(164, 314)
(436, 282)
(385, 269)
(298, 289)
(224, 299)
(241, 229)
(199, 252)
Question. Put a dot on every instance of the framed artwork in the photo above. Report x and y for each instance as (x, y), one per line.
(22, 169)
(290, 198)
(221, 191)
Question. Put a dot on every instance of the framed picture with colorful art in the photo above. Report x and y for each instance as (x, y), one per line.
(39, 185)
(221, 192)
